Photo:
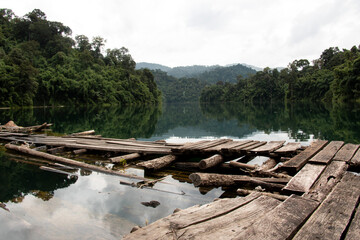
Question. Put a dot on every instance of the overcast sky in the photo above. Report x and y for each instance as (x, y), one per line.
(187, 32)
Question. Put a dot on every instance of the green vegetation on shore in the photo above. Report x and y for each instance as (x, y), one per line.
(334, 77)
(40, 64)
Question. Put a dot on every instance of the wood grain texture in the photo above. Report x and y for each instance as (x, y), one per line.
(297, 162)
(333, 215)
(346, 152)
(282, 222)
(327, 153)
(305, 178)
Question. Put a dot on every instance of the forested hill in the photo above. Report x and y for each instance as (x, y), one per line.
(210, 74)
(40, 64)
(334, 77)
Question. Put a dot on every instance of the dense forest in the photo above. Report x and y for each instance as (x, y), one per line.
(334, 77)
(40, 64)
(188, 89)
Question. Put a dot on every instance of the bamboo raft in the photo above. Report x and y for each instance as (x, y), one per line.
(297, 193)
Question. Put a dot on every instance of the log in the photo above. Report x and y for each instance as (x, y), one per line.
(69, 161)
(56, 150)
(79, 151)
(211, 161)
(89, 132)
(217, 180)
(243, 165)
(245, 192)
(157, 163)
(50, 169)
(332, 217)
(127, 157)
(268, 164)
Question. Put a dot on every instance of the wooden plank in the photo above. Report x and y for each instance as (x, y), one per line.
(288, 148)
(327, 180)
(213, 210)
(297, 162)
(325, 155)
(354, 229)
(209, 144)
(282, 222)
(346, 152)
(330, 220)
(305, 178)
(227, 226)
(244, 149)
(242, 146)
(269, 147)
(186, 146)
(355, 161)
(226, 145)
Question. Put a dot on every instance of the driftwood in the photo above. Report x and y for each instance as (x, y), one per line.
(157, 163)
(243, 165)
(84, 133)
(50, 169)
(12, 127)
(69, 161)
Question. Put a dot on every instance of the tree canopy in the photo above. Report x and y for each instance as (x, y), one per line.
(40, 64)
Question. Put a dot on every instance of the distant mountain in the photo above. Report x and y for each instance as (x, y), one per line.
(197, 70)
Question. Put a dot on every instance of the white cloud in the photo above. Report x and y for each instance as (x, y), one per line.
(186, 32)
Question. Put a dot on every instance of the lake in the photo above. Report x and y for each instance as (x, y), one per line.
(45, 205)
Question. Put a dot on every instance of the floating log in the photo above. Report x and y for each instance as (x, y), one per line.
(217, 180)
(127, 157)
(297, 162)
(245, 192)
(50, 169)
(211, 161)
(79, 151)
(327, 153)
(333, 215)
(346, 152)
(157, 163)
(69, 161)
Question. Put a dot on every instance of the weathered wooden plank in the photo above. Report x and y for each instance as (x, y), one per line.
(227, 226)
(226, 145)
(282, 222)
(325, 155)
(354, 229)
(327, 180)
(269, 147)
(288, 148)
(236, 149)
(157, 163)
(213, 210)
(346, 152)
(305, 178)
(333, 215)
(209, 144)
(187, 145)
(245, 149)
(355, 161)
(297, 162)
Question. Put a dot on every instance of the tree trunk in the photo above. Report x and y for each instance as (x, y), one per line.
(157, 163)
(211, 161)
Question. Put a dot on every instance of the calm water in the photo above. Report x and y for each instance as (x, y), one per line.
(46, 205)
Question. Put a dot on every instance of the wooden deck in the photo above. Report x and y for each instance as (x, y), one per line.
(298, 193)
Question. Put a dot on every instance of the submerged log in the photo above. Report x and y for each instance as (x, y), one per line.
(157, 163)
(69, 161)
(211, 161)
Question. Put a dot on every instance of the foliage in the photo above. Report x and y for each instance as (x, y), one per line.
(41, 64)
(335, 76)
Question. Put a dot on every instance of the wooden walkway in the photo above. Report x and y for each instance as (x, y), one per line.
(297, 193)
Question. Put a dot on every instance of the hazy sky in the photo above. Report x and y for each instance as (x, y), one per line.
(186, 32)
